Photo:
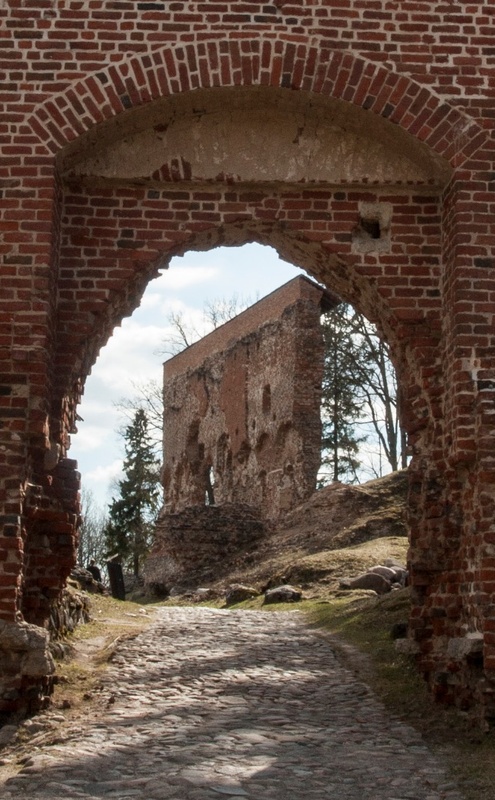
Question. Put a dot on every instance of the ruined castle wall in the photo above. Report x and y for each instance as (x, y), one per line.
(247, 416)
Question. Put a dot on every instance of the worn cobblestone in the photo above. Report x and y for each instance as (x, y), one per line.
(209, 703)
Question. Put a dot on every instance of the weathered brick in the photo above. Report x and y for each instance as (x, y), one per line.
(427, 69)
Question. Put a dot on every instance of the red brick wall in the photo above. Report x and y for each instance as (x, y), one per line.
(269, 309)
(425, 69)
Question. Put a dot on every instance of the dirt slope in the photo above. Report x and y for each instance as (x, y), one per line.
(340, 531)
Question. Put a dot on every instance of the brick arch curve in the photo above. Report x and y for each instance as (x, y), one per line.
(82, 334)
(257, 62)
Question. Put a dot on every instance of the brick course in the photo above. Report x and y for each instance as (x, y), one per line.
(78, 248)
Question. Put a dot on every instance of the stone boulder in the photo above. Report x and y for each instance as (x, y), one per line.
(237, 593)
(201, 594)
(282, 594)
(388, 573)
(369, 580)
(25, 655)
(401, 572)
(83, 579)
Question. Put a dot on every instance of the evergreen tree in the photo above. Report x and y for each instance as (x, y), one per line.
(133, 514)
(342, 402)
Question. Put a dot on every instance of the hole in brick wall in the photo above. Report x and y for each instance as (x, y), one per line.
(371, 227)
(372, 231)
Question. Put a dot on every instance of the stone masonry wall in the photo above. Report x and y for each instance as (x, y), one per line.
(196, 543)
(356, 138)
(246, 418)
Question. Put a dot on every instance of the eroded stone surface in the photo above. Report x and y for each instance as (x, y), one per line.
(208, 704)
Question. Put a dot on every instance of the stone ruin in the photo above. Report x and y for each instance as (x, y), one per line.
(242, 430)
(242, 407)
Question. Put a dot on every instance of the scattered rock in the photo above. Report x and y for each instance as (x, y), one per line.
(200, 594)
(381, 578)
(407, 647)
(386, 572)
(282, 594)
(237, 593)
(29, 645)
(82, 578)
(7, 734)
(70, 609)
(369, 580)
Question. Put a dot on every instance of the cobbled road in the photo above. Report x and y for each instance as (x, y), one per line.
(211, 703)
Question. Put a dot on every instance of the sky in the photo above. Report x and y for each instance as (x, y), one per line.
(132, 355)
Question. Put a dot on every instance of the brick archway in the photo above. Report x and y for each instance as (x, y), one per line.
(292, 65)
(78, 252)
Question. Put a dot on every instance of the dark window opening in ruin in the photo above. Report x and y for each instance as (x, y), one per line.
(243, 453)
(266, 402)
(263, 441)
(192, 446)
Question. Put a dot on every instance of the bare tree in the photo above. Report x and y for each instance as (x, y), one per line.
(149, 396)
(92, 531)
(215, 313)
(360, 394)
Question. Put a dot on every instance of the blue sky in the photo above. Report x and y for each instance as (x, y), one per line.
(131, 356)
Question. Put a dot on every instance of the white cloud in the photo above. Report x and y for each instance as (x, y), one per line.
(130, 357)
(105, 474)
(150, 300)
(179, 276)
(90, 437)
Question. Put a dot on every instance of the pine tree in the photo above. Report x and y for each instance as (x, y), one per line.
(342, 401)
(132, 515)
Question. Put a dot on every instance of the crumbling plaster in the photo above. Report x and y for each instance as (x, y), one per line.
(209, 137)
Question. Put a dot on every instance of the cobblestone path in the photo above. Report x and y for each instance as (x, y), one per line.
(235, 704)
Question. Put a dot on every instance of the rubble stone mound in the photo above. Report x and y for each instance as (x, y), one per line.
(202, 542)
